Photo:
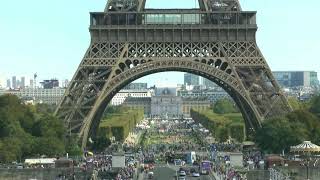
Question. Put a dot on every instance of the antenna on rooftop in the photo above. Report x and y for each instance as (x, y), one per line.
(34, 85)
(35, 79)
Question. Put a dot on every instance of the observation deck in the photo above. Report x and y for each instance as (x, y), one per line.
(142, 26)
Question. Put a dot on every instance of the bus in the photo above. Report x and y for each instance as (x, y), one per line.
(205, 167)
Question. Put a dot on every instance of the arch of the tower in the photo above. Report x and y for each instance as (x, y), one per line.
(213, 69)
(128, 41)
(238, 67)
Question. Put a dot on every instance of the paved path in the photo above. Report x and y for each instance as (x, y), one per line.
(165, 172)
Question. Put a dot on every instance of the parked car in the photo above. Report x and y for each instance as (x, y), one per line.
(195, 174)
(182, 173)
(150, 175)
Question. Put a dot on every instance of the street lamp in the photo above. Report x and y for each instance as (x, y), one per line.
(306, 148)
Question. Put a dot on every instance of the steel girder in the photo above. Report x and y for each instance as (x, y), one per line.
(238, 67)
(220, 5)
(121, 53)
(205, 5)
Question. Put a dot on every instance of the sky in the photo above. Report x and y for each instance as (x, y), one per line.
(50, 37)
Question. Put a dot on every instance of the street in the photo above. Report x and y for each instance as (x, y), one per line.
(167, 172)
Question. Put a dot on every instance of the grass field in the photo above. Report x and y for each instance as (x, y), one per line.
(222, 126)
(222, 118)
(120, 119)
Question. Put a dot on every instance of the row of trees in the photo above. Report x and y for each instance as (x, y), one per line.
(225, 106)
(219, 123)
(117, 122)
(302, 124)
(30, 131)
(276, 135)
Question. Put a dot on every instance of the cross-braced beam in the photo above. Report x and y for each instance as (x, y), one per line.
(216, 42)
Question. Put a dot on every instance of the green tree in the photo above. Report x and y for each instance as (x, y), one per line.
(72, 146)
(279, 134)
(295, 103)
(101, 142)
(224, 106)
(237, 131)
(222, 134)
(27, 130)
(315, 105)
(45, 108)
(10, 150)
(50, 146)
(48, 125)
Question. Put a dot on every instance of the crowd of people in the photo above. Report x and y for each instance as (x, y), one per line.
(226, 147)
(225, 171)
(102, 165)
(255, 157)
(126, 173)
(99, 162)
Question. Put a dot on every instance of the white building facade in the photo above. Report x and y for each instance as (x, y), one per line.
(38, 95)
(121, 96)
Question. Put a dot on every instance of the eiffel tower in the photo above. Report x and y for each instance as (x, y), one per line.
(128, 41)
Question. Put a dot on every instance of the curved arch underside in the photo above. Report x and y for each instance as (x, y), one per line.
(107, 67)
(220, 45)
(222, 78)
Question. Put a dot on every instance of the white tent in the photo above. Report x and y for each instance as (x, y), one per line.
(40, 161)
(306, 146)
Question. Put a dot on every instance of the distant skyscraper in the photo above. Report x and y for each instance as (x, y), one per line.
(14, 82)
(49, 84)
(31, 83)
(23, 82)
(208, 83)
(18, 83)
(191, 79)
(8, 83)
(66, 83)
(136, 86)
(297, 78)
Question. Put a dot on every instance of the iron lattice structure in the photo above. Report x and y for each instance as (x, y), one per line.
(128, 41)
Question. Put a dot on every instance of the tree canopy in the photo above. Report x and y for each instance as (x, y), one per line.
(224, 106)
(300, 125)
(28, 131)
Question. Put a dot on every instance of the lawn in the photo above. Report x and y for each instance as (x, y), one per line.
(120, 119)
(222, 118)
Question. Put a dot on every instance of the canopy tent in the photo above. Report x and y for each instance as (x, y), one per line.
(248, 143)
(305, 147)
(40, 161)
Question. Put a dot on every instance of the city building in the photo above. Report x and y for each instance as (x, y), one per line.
(290, 79)
(49, 84)
(18, 83)
(23, 82)
(65, 83)
(8, 84)
(166, 103)
(191, 79)
(136, 86)
(139, 102)
(31, 83)
(196, 103)
(208, 84)
(14, 82)
(38, 95)
(121, 96)
(212, 95)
